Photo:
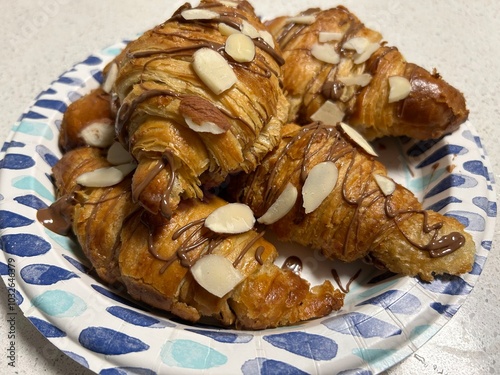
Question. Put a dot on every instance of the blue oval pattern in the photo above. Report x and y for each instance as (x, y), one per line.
(356, 371)
(453, 180)
(224, 337)
(441, 152)
(115, 297)
(489, 207)
(92, 60)
(396, 301)
(56, 105)
(127, 371)
(307, 345)
(24, 245)
(16, 162)
(110, 342)
(478, 265)
(470, 220)
(11, 144)
(136, 318)
(77, 358)
(420, 147)
(47, 155)
(476, 167)
(78, 265)
(438, 206)
(47, 329)
(446, 310)
(31, 201)
(34, 116)
(45, 274)
(361, 325)
(451, 285)
(10, 219)
(72, 81)
(263, 366)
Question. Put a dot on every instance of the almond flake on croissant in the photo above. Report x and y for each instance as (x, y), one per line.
(152, 256)
(363, 216)
(337, 69)
(188, 111)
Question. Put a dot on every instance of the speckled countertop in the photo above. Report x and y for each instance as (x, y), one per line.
(40, 40)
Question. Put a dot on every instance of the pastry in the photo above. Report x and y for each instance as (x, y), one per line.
(363, 214)
(339, 70)
(198, 103)
(197, 97)
(155, 258)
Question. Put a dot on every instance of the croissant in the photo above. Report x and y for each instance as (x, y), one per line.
(365, 215)
(339, 70)
(88, 120)
(153, 258)
(198, 97)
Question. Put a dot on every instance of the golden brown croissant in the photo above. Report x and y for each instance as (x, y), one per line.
(198, 97)
(339, 70)
(365, 214)
(88, 120)
(154, 257)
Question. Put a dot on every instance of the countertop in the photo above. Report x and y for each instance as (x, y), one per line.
(42, 39)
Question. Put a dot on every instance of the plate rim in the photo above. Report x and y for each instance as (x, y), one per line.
(104, 53)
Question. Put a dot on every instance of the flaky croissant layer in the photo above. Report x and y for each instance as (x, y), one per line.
(337, 69)
(359, 218)
(153, 257)
(185, 127)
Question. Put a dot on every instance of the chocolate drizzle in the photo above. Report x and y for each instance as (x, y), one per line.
(360, 193)
(198, 238)
(293, 263)
(57, 216)
(347, 287)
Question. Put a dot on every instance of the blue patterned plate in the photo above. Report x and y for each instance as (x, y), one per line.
(385, 318)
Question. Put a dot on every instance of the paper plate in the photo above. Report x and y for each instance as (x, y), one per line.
(384, 320)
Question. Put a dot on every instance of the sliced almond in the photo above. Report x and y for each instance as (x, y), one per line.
(248, 29)
(319, 183)
(216, 274)
(329, 113)
(400, 88)
(356, 137)
(104, 177)
(267, 37)
(199, 14)
(281, 206)
(359, 44)
(360, 58)
(240, 47)
(226, 30)
(231, 4)
(117, 154)
(386, 185)
(204, 127)
(304, 20)
(329, 36)
(99, 133)
(232, 218)
(202, 116)
(213, 70)
(110, 80)
(358, 80)
(325, 53)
